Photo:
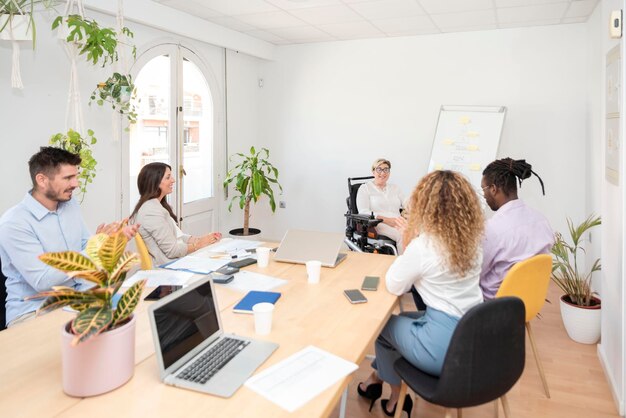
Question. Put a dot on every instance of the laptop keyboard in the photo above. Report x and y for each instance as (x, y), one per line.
(208, 364)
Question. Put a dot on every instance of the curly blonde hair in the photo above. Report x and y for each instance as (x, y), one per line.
(445, 206)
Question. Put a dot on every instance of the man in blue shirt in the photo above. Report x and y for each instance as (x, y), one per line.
(46, 220)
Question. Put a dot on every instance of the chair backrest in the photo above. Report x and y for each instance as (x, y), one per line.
(486, 354)
(529, 280)
(3, 299)
(144, 255)
(353, 189)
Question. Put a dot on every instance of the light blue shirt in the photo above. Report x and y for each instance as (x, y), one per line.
(28, 230)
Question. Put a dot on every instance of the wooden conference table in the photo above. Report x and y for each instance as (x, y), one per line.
(319, 315)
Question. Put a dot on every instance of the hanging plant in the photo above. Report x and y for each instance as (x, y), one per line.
(16, 18)
(77, 144)
(118, 91)
(97, 43)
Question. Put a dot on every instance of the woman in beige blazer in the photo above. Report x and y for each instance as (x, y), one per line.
(158, 226)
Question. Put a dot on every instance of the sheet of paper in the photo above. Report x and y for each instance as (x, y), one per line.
(159, 278)
(230, 245)
(300, 377)
(201, 265)
(246, 281)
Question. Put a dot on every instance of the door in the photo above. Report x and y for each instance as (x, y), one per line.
(178, 123)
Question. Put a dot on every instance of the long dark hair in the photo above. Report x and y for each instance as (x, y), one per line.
(148, 182)
(507, 172)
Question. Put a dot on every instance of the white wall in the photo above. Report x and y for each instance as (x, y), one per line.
(611, 348)
(329, 109)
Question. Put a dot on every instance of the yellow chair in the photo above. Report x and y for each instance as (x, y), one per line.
(144, 255)
(528, 280)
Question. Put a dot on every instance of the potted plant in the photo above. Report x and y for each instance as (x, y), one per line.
(98, 43)
(253, 177)
(117, 91)
(16, 19)
(580, 308)
(98, 346)
(75, 143)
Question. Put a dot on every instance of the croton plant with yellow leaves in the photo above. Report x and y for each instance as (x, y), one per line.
(105, 264)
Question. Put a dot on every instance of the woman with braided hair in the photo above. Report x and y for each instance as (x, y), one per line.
(515, 232)
(442, 258)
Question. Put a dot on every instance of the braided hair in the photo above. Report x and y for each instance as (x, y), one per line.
(503, 174)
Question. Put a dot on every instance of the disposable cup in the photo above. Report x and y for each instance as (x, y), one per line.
(262, 256)
(263, 317)
(313, 270)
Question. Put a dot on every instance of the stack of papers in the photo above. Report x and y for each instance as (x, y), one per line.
(300, 377)
(246, 281)
(159, 278)
(200, 265)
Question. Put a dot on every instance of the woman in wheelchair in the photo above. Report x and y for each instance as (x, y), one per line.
(443, 260)
(385, 201)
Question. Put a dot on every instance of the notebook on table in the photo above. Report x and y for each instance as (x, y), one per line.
(298, 246)
(192, 350)
(252, 298)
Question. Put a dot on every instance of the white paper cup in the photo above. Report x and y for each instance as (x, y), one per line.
(313, 270)
(263, 317)
(262, 256)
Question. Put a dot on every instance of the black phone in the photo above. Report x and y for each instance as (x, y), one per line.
(162, 291)
(222, 278)
(370, 283)
(227, 270)
(242, 263)
(355, 296)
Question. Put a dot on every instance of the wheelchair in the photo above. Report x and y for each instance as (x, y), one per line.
(361, 235)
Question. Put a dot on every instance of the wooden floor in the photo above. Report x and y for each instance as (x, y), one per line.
(577, 383)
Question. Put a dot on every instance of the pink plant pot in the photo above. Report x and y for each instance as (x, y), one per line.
(100, 364)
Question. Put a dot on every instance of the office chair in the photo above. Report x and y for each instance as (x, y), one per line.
(144, 255)
(528, 280)
(3, 299)
(361, 235)
(484, 360)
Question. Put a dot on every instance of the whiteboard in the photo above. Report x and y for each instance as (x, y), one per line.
(467, 139)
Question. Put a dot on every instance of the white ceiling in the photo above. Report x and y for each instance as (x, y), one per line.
(283, 22)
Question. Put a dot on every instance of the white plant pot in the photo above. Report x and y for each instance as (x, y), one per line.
(581, 323)
(125, 94)
(100, 364)
(19, 25)
(63, 31)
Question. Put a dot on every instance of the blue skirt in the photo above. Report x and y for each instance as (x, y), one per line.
(422, 341)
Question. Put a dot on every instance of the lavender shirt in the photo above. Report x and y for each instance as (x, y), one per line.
(514, 233)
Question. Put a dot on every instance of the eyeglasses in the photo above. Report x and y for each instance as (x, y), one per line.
(382, 170)
(485, 187)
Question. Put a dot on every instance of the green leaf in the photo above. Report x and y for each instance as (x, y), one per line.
(125, 262)
(61, 296)
(91, 322)
(68, 261)
(112, 249)
(128, 302)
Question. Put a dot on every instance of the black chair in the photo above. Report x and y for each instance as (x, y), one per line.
(484, 360)
(3, 299)
(361, 235)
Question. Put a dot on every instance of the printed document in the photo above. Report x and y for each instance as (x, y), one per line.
(246, 281)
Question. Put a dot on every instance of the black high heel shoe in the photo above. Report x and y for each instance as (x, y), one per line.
(371, 392)
(407, 407)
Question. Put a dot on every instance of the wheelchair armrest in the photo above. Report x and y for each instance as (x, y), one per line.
(365, 220)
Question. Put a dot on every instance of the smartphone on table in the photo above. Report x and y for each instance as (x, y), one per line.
(370, 283)
(355, 296)
(162, 291)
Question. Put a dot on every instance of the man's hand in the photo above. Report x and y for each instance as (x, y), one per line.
(131, 230)
(128, 230)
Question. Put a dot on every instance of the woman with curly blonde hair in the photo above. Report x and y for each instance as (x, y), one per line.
(442, 260)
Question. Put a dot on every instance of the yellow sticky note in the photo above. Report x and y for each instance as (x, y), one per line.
(448, 141)
(474, 167)
(464, 120)
(472, 147)
(472, 134)
(438, 167)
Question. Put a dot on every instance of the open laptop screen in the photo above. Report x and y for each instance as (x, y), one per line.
(185, 322)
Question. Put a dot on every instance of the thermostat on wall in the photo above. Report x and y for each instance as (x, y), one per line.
(615, 25)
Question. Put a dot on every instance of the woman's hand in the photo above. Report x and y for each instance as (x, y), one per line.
(398, 223)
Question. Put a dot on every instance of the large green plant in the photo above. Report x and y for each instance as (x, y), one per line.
(575, 283)
(98, 43)
(73, 142)
(253, 176)
(118, 91)
(105, 265)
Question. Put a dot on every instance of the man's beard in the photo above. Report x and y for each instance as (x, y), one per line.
(57, 197)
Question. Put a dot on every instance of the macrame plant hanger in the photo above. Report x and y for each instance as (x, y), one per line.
(119, 66)
(74, 112)
(16, 72)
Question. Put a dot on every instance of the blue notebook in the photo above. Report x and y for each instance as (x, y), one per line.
(252, 298)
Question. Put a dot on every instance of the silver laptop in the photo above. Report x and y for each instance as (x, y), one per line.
(300, 246)
(192, 350)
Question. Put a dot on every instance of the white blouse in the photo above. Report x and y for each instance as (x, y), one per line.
(383, 202)
(423, 266)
